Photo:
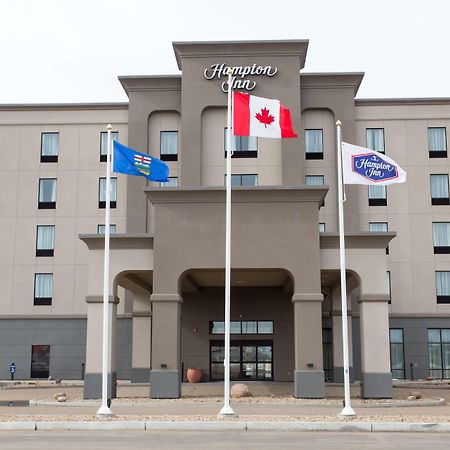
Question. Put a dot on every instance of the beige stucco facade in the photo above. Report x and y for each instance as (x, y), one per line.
(167, 256)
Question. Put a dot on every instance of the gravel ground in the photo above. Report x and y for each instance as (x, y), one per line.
(243, 418)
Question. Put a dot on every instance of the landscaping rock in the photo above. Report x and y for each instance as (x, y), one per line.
(416, 394)
(412, 398)
(240, 390)
(61, 397)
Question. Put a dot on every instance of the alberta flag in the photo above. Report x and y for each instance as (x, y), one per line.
(263, 117)
(364, 166)
(131, 162)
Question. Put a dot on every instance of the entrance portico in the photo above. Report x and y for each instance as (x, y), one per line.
(279, 269)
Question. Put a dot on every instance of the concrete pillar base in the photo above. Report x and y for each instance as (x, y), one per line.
(93, 385)
(165, 384)
(376, 385)
(338, 374)
(140, 375)
(309, 384)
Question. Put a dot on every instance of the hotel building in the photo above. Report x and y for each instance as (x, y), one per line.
(168, 241)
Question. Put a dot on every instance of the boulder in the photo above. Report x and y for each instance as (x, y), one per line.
(411, 398)
(416, 394)
(240, 390)
(61, 397)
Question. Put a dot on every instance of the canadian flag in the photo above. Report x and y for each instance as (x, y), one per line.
(263, 117)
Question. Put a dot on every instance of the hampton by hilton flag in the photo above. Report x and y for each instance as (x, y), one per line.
(263, 117)
(364, 166)
(131, 162)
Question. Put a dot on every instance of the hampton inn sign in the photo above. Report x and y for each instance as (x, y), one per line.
(240, 73)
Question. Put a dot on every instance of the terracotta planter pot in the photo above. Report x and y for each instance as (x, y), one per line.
(194, 374)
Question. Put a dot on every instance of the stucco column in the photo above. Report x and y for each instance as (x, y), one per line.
(94, 348)
(375, 351)
(338, 358)
(142, 328)
(165, 374)
(309, 379)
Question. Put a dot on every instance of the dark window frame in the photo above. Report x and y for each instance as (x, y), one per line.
(384, 139)
(402, 344)
(48, 158)
(42, 301)
(258, 333)
(102, 203)
(440, 200)
(437, 153)
(168, 156)
(45, 205)
(104, 156)
(440, 249)
(242, 343)
(314, 155)
(47, 252)
(239, 153)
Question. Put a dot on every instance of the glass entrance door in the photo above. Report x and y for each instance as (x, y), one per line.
(40, 361)
(249, 360)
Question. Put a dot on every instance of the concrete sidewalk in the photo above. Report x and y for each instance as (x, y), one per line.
(270, 408)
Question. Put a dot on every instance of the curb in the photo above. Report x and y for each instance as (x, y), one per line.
(367, 427)
(437, 402)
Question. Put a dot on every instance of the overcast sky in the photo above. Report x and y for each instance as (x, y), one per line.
(73, 51)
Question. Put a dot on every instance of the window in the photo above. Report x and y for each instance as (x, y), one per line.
(439, 352)
(443, 286)
(249, 360)
(243, 179)
(375, 139)
(243, 327)
(397, 353)
(441, 237)
(321, 227)
(439, 189)
(104, 143)
(242, 146)
(169, 145)
(314, 144)
(379, 227)
(327, 347)
(47, 193)
(43, 285)
(314, 180)
(40, 361)
(377, 195)
(49, 147)
(102, 193)
(173, 182)
(437, 142)
(45, 240)
(101, 229)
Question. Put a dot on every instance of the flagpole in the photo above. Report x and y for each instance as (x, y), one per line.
(226, 409)
(104, 409)
(347, 410)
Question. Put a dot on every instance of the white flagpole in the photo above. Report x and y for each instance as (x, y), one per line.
(226, 409)
(347, 410)
(104, 409)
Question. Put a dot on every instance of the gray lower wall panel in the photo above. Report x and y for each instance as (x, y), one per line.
(67, 340)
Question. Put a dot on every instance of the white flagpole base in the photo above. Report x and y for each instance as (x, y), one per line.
(347, 411)
(227, 410)
(104, 411)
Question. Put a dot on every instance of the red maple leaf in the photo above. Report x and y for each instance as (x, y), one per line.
(265, 117)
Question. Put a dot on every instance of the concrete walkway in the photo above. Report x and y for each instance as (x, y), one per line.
(271, 408)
